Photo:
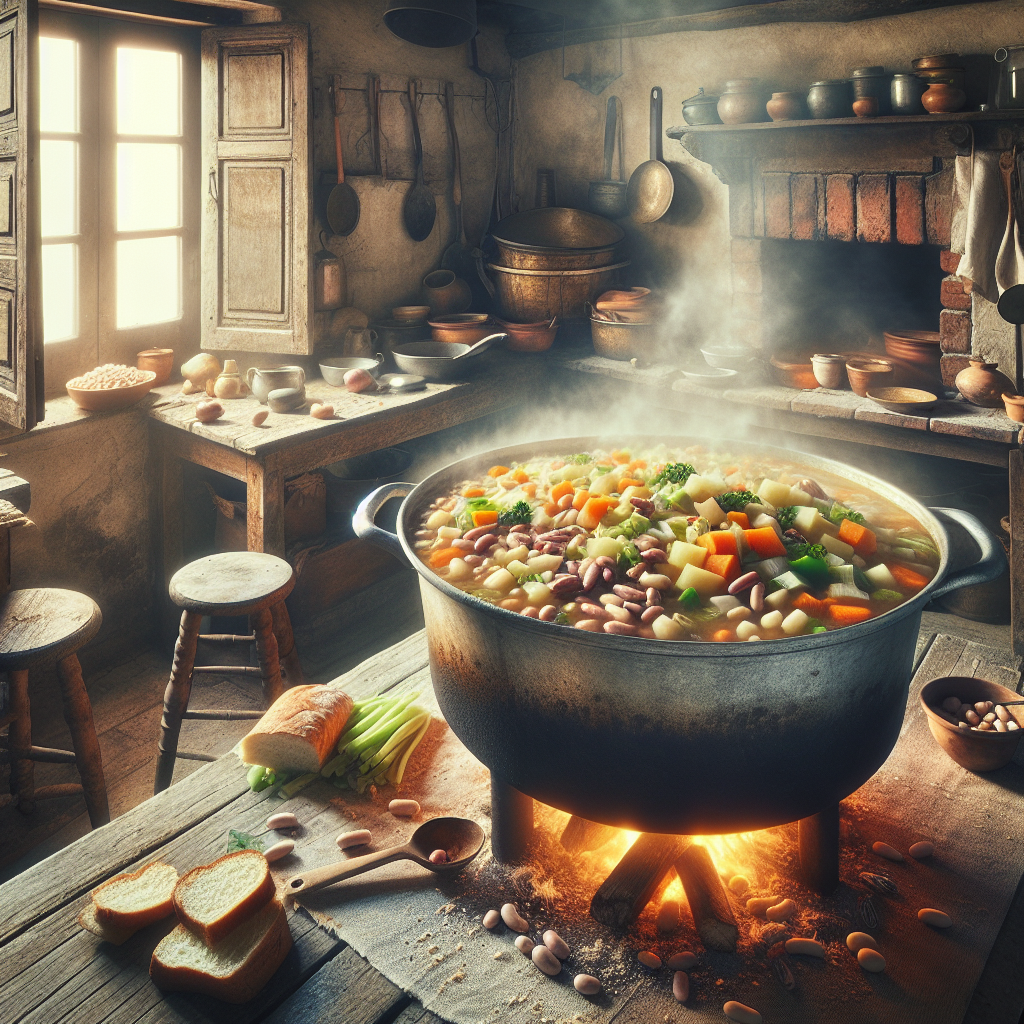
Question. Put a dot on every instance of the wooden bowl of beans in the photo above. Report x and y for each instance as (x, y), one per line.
(968, 731)
(109, 387)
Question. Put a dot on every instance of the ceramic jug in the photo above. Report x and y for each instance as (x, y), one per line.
(264, 379)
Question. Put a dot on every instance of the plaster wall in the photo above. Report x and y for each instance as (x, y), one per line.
(562, 125)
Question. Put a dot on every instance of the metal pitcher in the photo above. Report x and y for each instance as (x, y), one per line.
(1010, 78)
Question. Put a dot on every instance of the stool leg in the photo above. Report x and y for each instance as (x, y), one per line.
(179, 686)
(22, 769)
(266, 654)
(286, 651)
(78, 715)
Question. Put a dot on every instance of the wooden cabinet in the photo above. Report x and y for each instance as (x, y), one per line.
(256, 285)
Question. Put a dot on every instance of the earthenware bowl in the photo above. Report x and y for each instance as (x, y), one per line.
(907, 400)
(1014, 406)
(867, 374)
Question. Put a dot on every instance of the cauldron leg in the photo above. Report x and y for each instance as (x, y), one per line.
(819, 849)
(511, 821)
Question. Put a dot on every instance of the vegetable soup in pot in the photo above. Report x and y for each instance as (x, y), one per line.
(677, 544)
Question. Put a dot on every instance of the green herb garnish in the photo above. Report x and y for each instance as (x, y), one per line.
(579, 460)
(674, 473)
(532, 578)
(561, 619)
(737, 501)
(628, 557)
(886, 595)
(787, 516)
(797, 549)
(520, 512)
(837, 513)
(243, 841)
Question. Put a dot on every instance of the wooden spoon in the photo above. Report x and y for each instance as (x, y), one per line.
(460, 838)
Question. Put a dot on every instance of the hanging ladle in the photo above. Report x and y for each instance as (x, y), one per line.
(460, 838)
(420, 209)
(343, 202)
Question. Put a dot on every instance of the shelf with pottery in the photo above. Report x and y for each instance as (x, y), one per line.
(959, 117)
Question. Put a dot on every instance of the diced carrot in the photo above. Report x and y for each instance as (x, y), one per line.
(860, 538)
(729, 470)
(627, 481)
(741, 518)
(473, 492)
(726, 566)
(582, 497)
(530, 489)
(621, 457)
(604, 462)
(719, 542)
(443, 556)
(485, 517)
(551, 508)
(520, 477)
(810, 605)
(561, 490)
(594, 510)
(636, 464)
(848, 614)
(907, 579)
(497, 471)
(721, 636)
(764, 542)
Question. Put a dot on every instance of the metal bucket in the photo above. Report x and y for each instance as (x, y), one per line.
(528, 296)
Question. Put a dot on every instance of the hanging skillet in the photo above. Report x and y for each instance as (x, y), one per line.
(343, 202)
(419, 209)
(650, 189)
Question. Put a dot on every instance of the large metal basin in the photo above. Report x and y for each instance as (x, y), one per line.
(678, 737)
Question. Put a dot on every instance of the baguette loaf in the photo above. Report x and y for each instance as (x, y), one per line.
(300, 729)
(235, 969)
(213, 900)
(132, 901)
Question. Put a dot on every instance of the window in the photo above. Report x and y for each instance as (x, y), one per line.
(119, 192)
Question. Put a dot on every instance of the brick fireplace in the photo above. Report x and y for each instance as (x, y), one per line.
(885, 182)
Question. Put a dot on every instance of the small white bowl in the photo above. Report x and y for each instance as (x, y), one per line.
(728, 357)
(713, 376)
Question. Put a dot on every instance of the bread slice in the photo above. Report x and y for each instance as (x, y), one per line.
(215, 899)
(235, 969)
(300, 729)
(111, 933)
(136, 899)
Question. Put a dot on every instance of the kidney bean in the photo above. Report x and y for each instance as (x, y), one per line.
(590, 625)
(621, 628)
(682, 961)
(561, 535)
(921, 850)
(741, 1013)
(566, 518)
(653, 596)
(619, 614)
(652, 556)
(279, 850)
(565, 586)
(887, 851)
(805, 947)
(650, 960)
(477, 531)
(605, 561)
(423, 534)
(781, 911)
(546, 961)
(637, 571)
(462, 544)
(608, 575)
(548, 613)
(857, 941)
(564, 502)
(510, 915)
(756, 597)
(983, 707)
(556, 944)
(282, 820)
(611, 599)
(1001, 713)
(595, 611)
(744, 582)
(935, 918)
(810, 487)
(632, 606)
(590, 576)
(586, 984)
(481, 544)
(645, 541)
(628, 593)
(530, 611)
(648, 615)
(492, 919)
(404, 808)
(524, 944)
(681, 986)
(643, 505)
(359, 837)
(474, 560)
(438, 857)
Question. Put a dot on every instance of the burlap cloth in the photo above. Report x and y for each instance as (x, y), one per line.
(424, 932)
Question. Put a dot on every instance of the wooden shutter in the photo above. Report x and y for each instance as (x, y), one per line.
(256, 287)
(21, 333)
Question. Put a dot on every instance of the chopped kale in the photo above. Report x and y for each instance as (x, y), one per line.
(837, 513)
(737, 501)
(520, 512)
(795, 550)
(787, 514)
(674, 473)
(532, 578)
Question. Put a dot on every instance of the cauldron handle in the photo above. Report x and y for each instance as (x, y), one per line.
(366, 512)
(992, 563)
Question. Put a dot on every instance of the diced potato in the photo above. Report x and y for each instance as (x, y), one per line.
(538, 594)
(541, 563)
(666, 628)
(575, 472)
(798, 497)
(711, 511)
(598, 546)
(795, 622)
(636, 492)
(518, 568)
(700, 488)
(707, 584)
(774, 493)
(671, 571)
(605, 484)
(836, 547)
(541, 519)
(812, 524)
(777, 600)
(438, 519)
(761, 521)
(683, 554)
(520, 552)
(500, 579)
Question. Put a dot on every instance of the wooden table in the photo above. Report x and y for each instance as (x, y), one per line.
(51, 971)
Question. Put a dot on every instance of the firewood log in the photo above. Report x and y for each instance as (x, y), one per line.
(709, 903)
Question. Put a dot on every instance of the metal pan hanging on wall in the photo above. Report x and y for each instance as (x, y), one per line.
(433, 23)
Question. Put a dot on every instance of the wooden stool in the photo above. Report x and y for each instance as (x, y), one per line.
(235, 583)
(41, 627)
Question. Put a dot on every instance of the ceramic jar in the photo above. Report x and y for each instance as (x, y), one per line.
(982, 384)
(830, 99)
(872, 83)
(829, 369)
(742, 102)
(229, 383)
(905, 94)
(866, 106)
(943, 98)
(701, 109)
(264, 379)
(159, 360)
(786, 106)
(446, 294)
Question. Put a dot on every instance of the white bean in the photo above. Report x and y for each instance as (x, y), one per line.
(921, 850)
(586, 984)
(492, 919)
(282, 820)
(887, 851)
(522, 942)
(805, 947)
(438, 857)
(781, 911)
(741, 1014)
(360, 837)
(279, 850)
(404, 808)
(795, 622)
(556, 944)
(745, 630)
(510, 915)
(546, 961)
(759, 905)
(738, 614)
(856, 941)
(772, 620)
(935, 918)
(871, 960)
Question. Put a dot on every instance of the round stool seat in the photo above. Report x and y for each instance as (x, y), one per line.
(44, 625)
(233, 583)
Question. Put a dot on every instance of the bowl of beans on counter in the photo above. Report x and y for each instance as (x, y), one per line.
(109, 387)
(975, 721)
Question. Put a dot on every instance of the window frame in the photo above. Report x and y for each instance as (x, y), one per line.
(99, 340)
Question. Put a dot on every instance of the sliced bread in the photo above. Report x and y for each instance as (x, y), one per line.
(300, 729)
(215, 899)
(134, 900)
(111, 933)
(235, 969)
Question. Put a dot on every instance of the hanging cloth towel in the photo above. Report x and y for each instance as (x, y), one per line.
(984, 229)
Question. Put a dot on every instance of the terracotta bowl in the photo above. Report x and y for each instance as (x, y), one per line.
(794, 374)
(461, 328)
(410, 314)
(623, 299)
(975, 751)
(536, 337)
(109, 399)
(1014, 407)
(868, 374)
(159, 360)
(906, 400)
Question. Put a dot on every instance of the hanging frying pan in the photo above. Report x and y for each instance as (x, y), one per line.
(343, 202)
(419, 209)
(651, 187)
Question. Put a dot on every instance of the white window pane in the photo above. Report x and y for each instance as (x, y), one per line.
(148, 186)
(58, 85)
(60, 292)
(148, 281)
(58, 171)
(148, 92)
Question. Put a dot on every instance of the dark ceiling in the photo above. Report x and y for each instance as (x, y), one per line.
(542, 14)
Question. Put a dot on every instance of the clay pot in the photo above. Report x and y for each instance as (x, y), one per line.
(830, 99)
(942, 98)
(866, 106)
(786, 106)
(1014, 406)
(742, 102)
(829, 369)
(159, 360)
(229, 383)
(867, 374)
(446, 294)
(982, 384)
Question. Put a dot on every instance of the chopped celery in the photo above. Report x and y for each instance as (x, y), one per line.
(787, 581)
(291, 788)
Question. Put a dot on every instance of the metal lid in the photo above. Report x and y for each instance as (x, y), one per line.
(831, 81)
(400, 325)
(700, 97)
(402, 382)
(875, 71)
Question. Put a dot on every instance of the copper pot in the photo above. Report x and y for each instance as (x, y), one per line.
(462, 329)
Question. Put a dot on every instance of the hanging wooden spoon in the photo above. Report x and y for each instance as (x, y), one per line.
(343, 202)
